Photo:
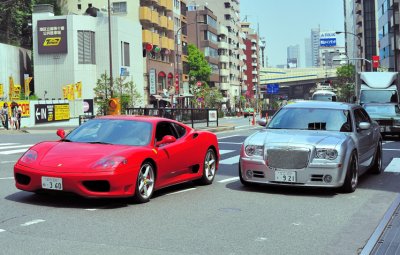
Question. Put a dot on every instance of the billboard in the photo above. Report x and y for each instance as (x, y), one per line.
(327, 39)
(52, 36)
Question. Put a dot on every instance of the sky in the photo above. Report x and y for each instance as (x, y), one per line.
(289, 22)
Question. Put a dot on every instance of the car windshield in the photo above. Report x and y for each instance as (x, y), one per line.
(378, 96)
(110, 131)
(389, 110)
(311, 119)
(324, 97)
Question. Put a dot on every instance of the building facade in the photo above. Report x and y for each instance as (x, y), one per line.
(315, 43)
(293, 56)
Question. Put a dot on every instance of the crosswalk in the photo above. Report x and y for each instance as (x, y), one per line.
(13, 148)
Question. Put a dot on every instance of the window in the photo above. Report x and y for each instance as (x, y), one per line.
(119, 7)
(211, 21)
(210, 52)
(125, 55)
(79, 6)
(86, 47)
(210, 36)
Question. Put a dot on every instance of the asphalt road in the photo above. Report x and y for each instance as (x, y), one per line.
(223, 218)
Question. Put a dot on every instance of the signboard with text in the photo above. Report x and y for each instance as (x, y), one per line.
(327, 39)
(152, 81)
(272, 88)
(45, 113)
(52, 36)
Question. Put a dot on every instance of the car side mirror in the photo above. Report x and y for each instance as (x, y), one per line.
(364, 125)
(262, 122)
(61, 133)
(166, 140)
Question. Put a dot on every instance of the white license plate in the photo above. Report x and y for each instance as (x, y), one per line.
(285, 176)
(52, 183)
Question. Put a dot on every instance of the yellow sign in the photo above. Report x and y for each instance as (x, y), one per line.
(79, 89)
(11, 86)
(65, 92)
(52, 41)
(61, 112)
(24, 104)
(1, 90)
(26, 83)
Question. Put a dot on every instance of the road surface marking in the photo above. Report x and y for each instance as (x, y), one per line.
(181, 191)
(229, 180)
(13, 151)
(391, 149)
(230, 143)
(4, 144)
(2, 230)
(227, 137)
(222, 152)
(230, 161)
(16, 146)
(90, 209)
(5, 162)
(32, 222)
(6, 178)
(394, 166)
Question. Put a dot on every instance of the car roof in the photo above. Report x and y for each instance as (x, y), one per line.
(151, 119)
(322, 105)
(324, 92)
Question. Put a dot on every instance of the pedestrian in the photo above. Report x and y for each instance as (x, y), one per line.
(4, 115)
(14, 115)
(19, 116)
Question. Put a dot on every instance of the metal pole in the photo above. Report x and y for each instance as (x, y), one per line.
(110, 48)
(394, 39)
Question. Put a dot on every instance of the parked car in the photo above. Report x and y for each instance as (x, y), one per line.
(248, 112)
(387, 115)
(310, 143)
(120, 156)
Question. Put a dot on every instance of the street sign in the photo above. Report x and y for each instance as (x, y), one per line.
(273, 88)
(375, 61)
(327, 39)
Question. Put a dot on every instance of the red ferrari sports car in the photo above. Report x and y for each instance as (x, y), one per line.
(120, 156)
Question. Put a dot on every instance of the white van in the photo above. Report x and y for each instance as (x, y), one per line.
(324, 95)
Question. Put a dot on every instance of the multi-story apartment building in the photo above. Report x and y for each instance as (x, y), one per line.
(228, 13)
(388, 33)
(307, 52)
(252, 61)
(203, 32)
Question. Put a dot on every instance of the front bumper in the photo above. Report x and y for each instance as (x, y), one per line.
(314, 175)
(96, 184)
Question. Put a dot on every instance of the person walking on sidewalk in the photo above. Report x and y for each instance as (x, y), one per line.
(4, 115)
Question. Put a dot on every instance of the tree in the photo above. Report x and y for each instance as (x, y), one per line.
(345, 82)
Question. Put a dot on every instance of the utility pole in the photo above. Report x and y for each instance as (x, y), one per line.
(110, 48)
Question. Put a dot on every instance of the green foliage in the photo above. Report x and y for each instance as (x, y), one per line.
(205, 96)
(199, 68)
(125, 91)
(33, 97)
(345, 82)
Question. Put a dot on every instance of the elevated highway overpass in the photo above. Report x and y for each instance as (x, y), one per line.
(296, 83)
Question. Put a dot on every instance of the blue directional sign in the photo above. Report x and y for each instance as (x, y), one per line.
(273, 88)
(327, 42)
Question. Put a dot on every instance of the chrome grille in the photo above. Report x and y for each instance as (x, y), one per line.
(288, 158)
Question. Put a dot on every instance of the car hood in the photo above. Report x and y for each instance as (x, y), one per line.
(287, 137)
(76, 157)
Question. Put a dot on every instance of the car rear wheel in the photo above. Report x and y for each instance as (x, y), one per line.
(209, 168)
(145, 183)
(351, 180)
(377, 166)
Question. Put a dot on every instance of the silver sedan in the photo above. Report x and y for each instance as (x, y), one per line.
(310, 143)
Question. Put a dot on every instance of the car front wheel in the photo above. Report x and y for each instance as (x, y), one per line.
(209, 168)
(377, 166)
(145, 183)
(351, 179)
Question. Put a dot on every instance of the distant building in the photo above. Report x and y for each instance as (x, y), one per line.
(293, 56)
(315, 47)
(307, 52)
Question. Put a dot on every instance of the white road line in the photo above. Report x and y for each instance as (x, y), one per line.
(32, 222)
(2, 230)
(227, 137)
(394, 166)
(6, 162)
(4, 144)
(229, 143)
(13, 151)
(391, 149)
(229, 180)
(6, 178)
(230, 161)
(15, 146)
(181, 191)
(222, 152)
(90, 209)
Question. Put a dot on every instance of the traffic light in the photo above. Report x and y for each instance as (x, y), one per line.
(114, 106)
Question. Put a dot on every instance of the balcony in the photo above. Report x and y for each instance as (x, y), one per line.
(359, 20)
(147, 36)
(167, 4)
(163, 22)
(254, 80)
(224, 72)
(222, 30)
(253, 47)
(254, 56)
(145, 14)
(224, 86)
(393, 19)
(171, 44)
(254, 72)
(156, 39)
(244, 77)
(155, 17)
(359, 30)
(358, 8)
(223, 58)
(223, 45)
(170, 25)
(253, 40)
(244, 88)
(164, 42)
(254, 64)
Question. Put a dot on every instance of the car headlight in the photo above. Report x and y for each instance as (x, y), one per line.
(254, 150)
(330, 154)
(29, 156)
(110, 162)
